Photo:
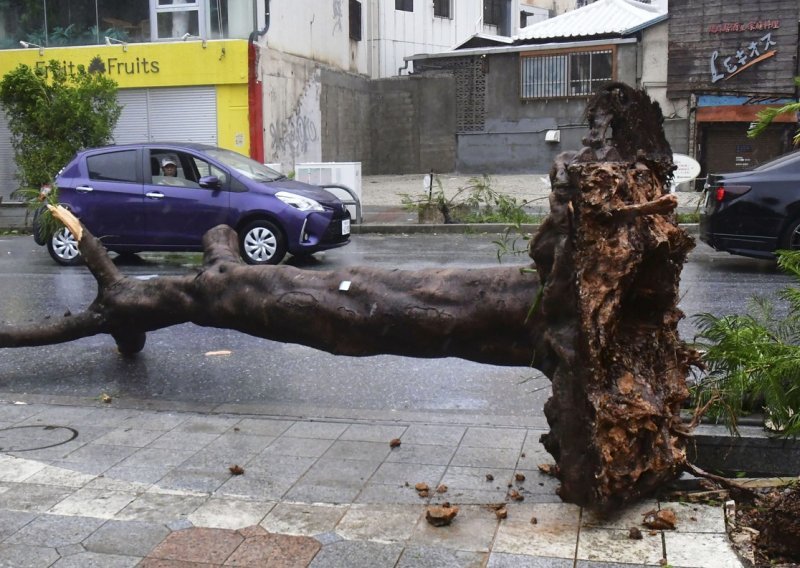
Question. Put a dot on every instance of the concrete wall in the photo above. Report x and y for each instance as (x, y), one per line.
(412, 125)
(513, 139)
(345, 132)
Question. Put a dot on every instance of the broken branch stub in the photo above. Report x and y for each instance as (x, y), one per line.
(609, 257)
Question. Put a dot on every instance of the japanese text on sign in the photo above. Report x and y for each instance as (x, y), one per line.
(755, 52)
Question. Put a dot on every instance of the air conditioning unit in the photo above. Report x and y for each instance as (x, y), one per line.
(347, 174)
(553, 136)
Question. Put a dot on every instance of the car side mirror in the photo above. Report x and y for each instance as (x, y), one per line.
(210, 182)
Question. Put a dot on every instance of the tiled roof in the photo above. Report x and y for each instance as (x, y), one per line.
(603, 17)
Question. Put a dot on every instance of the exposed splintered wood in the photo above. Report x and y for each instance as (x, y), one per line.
(604, 330)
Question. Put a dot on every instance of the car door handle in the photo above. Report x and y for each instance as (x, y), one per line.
(154, 195)
(84, 189)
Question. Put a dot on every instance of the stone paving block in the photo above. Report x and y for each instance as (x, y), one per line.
(554, 535)
(12, 521)
(160, 508)
(245, 444)
(130, 478)
(408, 475)
(97, 560)
(99, 457)
(697, 517)
(275, 550)
(472, 530)
(194, 480)
(101, 504)
(692, 550)
(32, 498)
(215, 459)
(624, 519)
(433, 435)
(535, 483)
(60, 476)
(500, 458)
(459, 477)
(110, 417)
(263, 426)
(230, 513)
(381, 433)
(332, 492)
(126, 538)
(595, 564)
(303, 519)
(158, 457)
(55, 531)
(347, 471)
(380, 523)
(397, 493)
(613, 545)
(428, 454)
(374, 452)
(354, 554)
(178, 440)
(503, 560)
(207, 424)
(161, 421)
(212, 546)
(255, 487)
(317, 430)
(18, 469)
(70, 549)
(25, 556)
(506, 438)
(13, 413)
(136, 438)
(296, 446)
(472, 496)
(430, 557)
(277, 465)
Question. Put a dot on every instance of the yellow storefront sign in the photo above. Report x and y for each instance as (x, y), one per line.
(222, 63)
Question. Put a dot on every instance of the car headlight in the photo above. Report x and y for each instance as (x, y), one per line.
(298, 201)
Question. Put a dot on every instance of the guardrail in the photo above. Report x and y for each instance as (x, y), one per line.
(354, 201)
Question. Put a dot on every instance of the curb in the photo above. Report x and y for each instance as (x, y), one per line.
(462, 228)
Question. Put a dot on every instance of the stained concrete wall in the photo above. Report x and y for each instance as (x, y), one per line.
(412, 125)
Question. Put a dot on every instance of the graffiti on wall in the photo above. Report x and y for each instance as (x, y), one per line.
(294, 134)
(337, 15)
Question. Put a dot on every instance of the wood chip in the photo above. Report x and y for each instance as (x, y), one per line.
(236, 469)
(635, 534)
(519, 477)
(501, 513)
(394, 443)
(421, 486)
(515, 495)
(442, 488)
(664, 519)
(440, 515)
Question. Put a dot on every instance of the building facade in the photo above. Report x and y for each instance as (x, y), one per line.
(727, 62)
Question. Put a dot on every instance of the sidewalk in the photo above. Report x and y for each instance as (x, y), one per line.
(95, 484)
(381, 197)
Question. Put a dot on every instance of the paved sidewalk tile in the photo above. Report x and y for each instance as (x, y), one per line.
(230, 513)
(700, 550)
(126, 538)
(303, 519)
(347, 554)
(614, 545)
(472, 530)
(554, 534)
(380, 523)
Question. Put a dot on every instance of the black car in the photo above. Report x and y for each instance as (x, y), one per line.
(756, 212)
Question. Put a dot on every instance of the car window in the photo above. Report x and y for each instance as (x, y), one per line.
(113, 166)
(244, 165)
(205, 169)
(183, 174)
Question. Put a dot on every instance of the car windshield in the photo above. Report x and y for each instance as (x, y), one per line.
(244, 165)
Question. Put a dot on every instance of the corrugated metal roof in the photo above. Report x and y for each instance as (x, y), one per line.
(604, 17)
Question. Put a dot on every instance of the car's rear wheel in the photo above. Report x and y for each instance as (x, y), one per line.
(791, 239)
(262, 242)
(63, 248)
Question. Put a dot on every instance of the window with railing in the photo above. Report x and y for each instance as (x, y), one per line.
(565, 74)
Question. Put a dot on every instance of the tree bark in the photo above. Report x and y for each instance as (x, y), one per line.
(598, 316)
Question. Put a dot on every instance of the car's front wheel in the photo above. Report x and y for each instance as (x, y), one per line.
(63, 248)
(262, 242)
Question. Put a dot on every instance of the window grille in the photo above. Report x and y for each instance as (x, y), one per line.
(441, 8)
(570, 74)
(404, 5)
(493, 12)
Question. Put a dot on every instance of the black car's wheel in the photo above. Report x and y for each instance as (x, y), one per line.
(63, 248)
(262, 242)
(791, 239)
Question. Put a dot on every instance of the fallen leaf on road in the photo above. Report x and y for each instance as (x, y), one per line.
(442, 488)
(236, 469)
(394, 443)
(105, 398)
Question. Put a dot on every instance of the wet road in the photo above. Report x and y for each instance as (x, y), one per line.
(290, 379)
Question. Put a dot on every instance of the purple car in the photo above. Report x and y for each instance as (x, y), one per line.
(164, 197)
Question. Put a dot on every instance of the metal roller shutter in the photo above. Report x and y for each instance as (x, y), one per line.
(180, 114)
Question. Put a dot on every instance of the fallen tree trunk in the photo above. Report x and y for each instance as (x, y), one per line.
(599, 319)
